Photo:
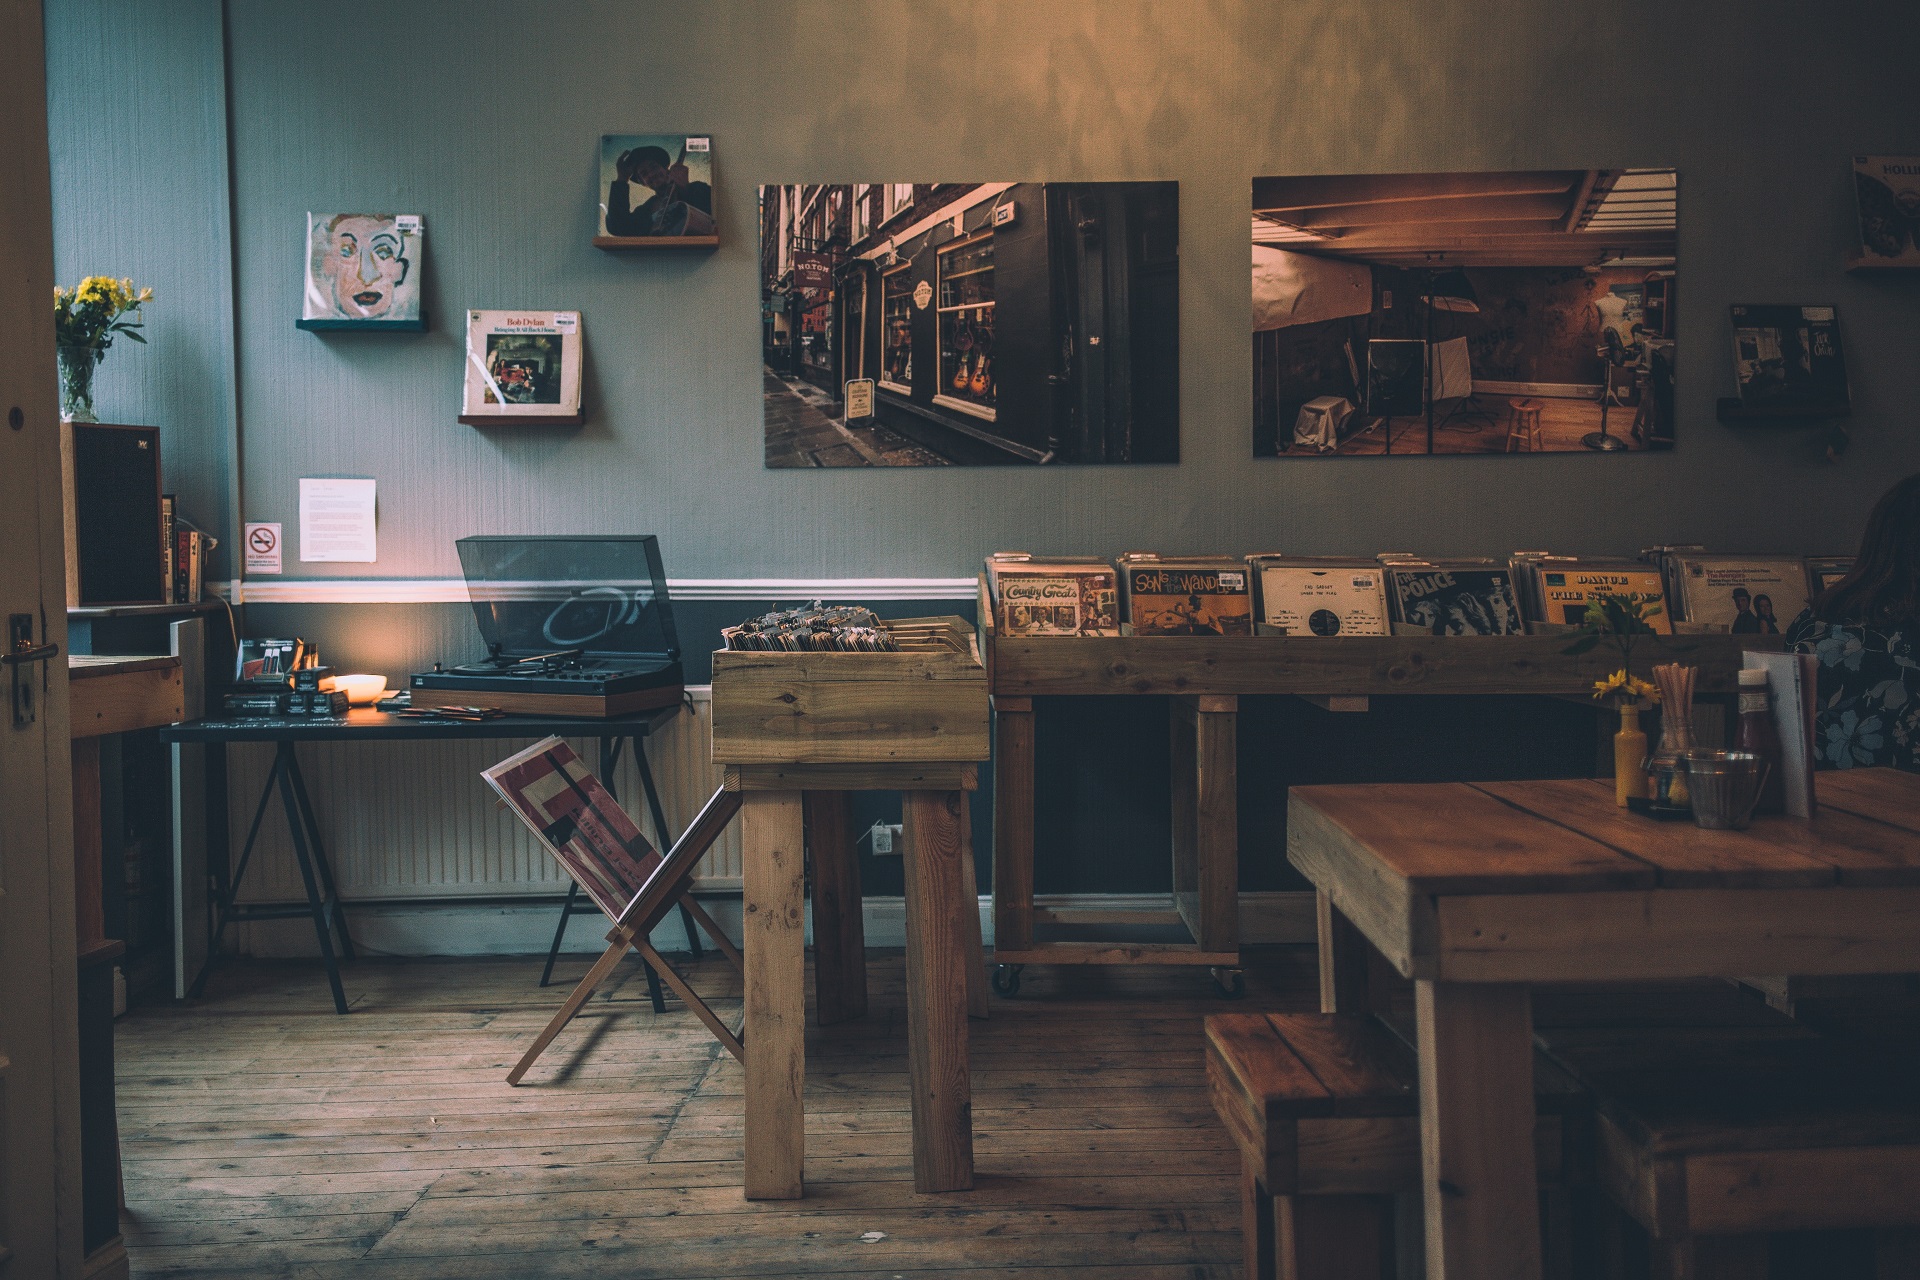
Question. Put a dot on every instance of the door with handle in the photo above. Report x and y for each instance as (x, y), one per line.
(39, 1076)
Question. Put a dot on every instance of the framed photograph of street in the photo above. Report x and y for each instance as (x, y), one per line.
(977, 323)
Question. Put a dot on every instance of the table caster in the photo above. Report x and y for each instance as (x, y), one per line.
(1230, 983)
(1006, 979)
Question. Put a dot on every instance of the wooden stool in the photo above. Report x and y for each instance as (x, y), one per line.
(1523, 425)
(1712, 1138)
(1325, 1110)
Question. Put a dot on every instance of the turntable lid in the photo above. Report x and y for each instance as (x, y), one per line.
(606, 595)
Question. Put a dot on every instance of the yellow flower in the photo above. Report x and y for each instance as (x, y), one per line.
(1628, 688)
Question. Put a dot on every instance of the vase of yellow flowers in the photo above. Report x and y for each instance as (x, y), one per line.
(86, 319)
(1621, 620)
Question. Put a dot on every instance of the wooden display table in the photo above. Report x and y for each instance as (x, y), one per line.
(1477, 892)
(792, 729)
(1204, 678)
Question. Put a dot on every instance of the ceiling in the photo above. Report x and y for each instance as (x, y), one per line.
(1547, 217)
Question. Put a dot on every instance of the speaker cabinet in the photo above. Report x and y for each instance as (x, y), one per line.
(111, 481)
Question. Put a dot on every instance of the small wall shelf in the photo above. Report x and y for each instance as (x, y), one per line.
(1855, 262)
(1731, 409)
(656, 242)
(376, 326)
(524, 419)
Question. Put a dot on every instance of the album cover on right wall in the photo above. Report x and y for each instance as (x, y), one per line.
(1887, 189)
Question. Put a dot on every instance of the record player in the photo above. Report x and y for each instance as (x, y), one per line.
(574, 626)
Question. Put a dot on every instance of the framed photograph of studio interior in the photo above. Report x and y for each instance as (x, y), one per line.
(362, 271)
(523, 367)
(998, 323)
(656, 192)
(1538, 307)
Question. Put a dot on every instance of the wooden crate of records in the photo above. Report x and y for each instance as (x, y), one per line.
(925, 702)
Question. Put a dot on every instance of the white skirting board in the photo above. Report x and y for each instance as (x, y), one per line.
(526, 928)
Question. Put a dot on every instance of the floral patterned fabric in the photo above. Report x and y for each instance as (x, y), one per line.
(1869, 691)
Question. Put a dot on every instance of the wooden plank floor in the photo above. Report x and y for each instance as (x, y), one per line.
(265, 1136)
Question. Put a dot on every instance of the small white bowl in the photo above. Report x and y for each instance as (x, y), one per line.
(362, 691)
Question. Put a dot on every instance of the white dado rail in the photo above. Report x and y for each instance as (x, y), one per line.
(454, 590)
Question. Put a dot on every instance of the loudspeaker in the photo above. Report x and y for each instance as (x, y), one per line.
(111, 481)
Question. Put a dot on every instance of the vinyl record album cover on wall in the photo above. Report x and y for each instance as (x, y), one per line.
(362, 271)
(656, 191)
(1428, 313)
(523, 366)
(979, 324)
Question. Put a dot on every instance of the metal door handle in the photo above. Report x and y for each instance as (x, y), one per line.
(36, 653)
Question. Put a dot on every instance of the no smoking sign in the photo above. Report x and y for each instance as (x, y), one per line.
(262, 542)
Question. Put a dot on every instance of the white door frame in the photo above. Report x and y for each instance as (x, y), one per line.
(39, 1019)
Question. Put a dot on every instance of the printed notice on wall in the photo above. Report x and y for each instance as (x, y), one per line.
(263, 548)
(336, 520)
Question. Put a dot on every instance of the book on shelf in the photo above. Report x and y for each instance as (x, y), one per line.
(1185, 595)
(1053, 595)
(1789, 357)
(189, 560)
(167, 555)
(1318, 596)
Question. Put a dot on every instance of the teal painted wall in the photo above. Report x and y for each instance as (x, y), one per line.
(483, 115)
(137, 116)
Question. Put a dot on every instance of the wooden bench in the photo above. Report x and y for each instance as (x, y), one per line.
(1325, 1110)
(1714, 1137)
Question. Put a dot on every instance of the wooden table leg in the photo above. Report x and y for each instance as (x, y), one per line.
(937, 932)
(1217, 826)
(1476, 1131)
(774, 926)
(839, 934)
(1013, 766)
(1354, 977)
(977, 999)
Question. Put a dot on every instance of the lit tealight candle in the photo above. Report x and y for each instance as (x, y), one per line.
(361, 691)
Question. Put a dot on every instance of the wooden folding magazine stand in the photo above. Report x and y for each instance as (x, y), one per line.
(601, 847)
(794, 729)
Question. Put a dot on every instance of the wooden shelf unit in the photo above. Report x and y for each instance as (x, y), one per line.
(656, 242)
(1205, 676)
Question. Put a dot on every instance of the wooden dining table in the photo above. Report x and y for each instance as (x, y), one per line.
(1480, 891)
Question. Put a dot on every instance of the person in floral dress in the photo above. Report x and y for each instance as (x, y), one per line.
(1863, 631)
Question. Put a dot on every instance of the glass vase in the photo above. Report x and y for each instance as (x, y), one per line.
(1667, 766)
(76, 383)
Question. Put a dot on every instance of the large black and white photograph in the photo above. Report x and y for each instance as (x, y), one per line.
(970, 324)
(1429, 313)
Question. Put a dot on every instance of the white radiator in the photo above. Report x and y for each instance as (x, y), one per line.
(414, 819)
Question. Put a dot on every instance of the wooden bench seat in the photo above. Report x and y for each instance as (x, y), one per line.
(1713, 1138)
(1325, 1110)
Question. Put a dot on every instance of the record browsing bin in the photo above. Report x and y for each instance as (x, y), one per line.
(926, 703)
(1315, 666)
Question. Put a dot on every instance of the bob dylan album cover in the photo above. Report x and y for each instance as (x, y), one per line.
(656, 185)
(362, 270)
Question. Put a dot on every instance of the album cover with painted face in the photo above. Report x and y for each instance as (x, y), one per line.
(362, 271)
